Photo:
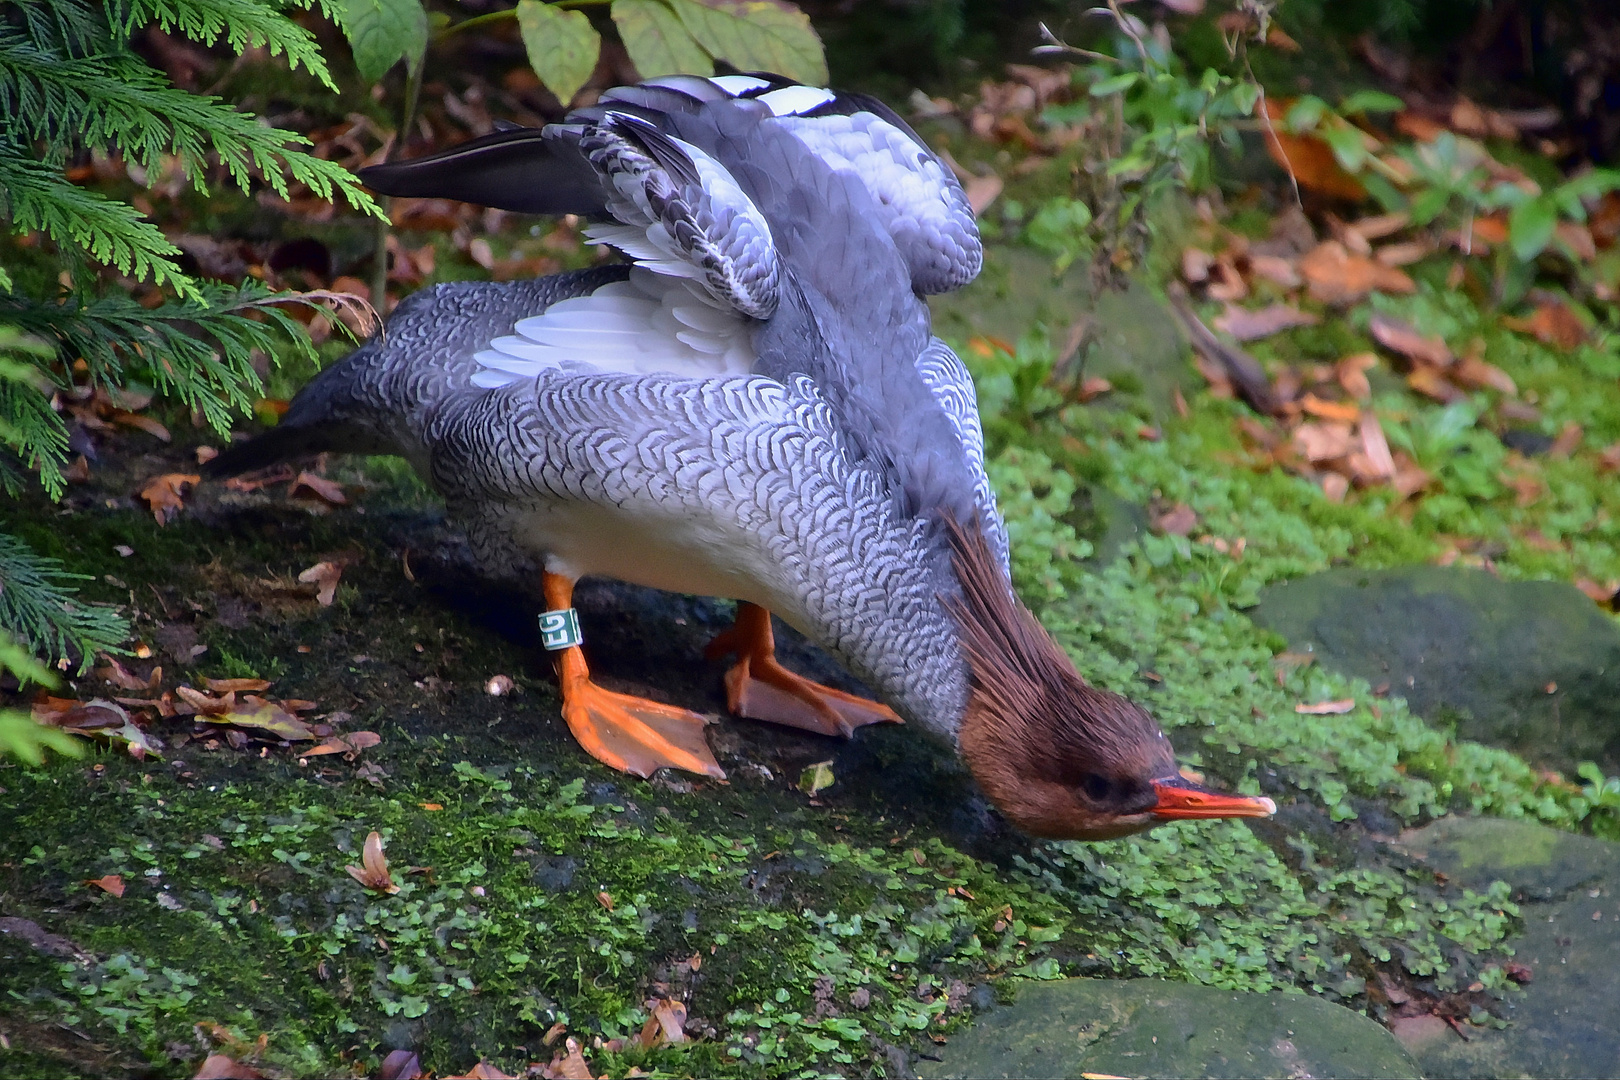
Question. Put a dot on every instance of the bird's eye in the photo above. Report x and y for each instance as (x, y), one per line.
(1097, 787)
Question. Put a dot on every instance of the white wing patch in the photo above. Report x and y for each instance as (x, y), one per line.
(793, 100)
(738, 85)
(649, 324)
(922, 205)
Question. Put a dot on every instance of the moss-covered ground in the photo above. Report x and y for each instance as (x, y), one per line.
(844, 933)
(540, 888)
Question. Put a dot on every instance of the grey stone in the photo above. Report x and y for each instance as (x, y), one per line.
(1532, 666)
(1152, 1028)
(1566, 1021)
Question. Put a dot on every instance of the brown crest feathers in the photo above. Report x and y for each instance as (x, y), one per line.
(1026, 689)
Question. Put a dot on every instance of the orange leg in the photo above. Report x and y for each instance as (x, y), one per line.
(760, 688)
(630, 734)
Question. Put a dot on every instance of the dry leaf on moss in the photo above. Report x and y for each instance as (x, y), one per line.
(349, 745)
(325, 577)
(328, 491)
(1325, 708)
(1335, 276)
(1308, 159)
(570, 1065)
(1246, 325)
(113, 884)
(165, 495)
(373, 874)
(485, 1071)
(225, 1067)
(1552, 323)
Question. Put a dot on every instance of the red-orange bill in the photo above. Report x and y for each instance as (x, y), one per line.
(1180, 797)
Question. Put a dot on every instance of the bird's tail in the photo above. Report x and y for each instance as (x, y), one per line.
(330, 415)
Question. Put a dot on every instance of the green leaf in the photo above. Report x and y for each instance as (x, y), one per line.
(562, 46)
(23, 737)
(1305, 114)
(1114, 84)
(383, 32)
(1370, 101)
(1531, 226)
(657, 41)
(1428, 204)
(1349, 148)
(757, 35)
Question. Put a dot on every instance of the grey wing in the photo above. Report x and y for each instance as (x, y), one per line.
(919, 201)
(760, 469)
(680, 213)
(947, 378)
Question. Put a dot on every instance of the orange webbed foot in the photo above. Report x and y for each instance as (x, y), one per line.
(760, 688)
(628, 733)
(635, 735)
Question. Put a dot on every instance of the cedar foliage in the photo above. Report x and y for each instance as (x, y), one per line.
(71, 85)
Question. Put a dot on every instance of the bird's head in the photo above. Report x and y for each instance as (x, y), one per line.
(1059, 757)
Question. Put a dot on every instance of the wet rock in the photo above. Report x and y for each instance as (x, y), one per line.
(1152, 1028)
(1532, 666)
(1566, 1022)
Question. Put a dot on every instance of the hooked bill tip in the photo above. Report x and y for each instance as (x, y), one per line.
(1180, 799)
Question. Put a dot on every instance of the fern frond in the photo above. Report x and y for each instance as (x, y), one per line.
(37, 607)
(36, 196)
(198, 350)
(243, 24)
(113, 98)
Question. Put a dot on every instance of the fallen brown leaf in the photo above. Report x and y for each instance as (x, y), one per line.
(224, 1067)
(1475, 374)
(1405, 339)
(981, 191)
(261, 715)
(1246, 325)
(115, 673)
(1568, 441)
(1275, 269)
(1404, 254)
(1179, 520)
(1092, 387)
(401, 1065)
(324, 576)
(1225, 282)
(1351, 372)
(1375, 448)
(1324, 441)
(1308, 159)
(1604, 595)
(142, 423)
(350, 744)
(1552, 323)
(100, 718)
(1381, 225)
(1335, 276)
(1609, 459)
(1430, 383)
(1578, 239)
(328, 491)
(1195, 264)
(229, 686)
(570, 1065)
(1325, 708)
(165, 495)
(485, 1071)
(670, 1017)
(374, 873)
(112, 884)
(1345, 411)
